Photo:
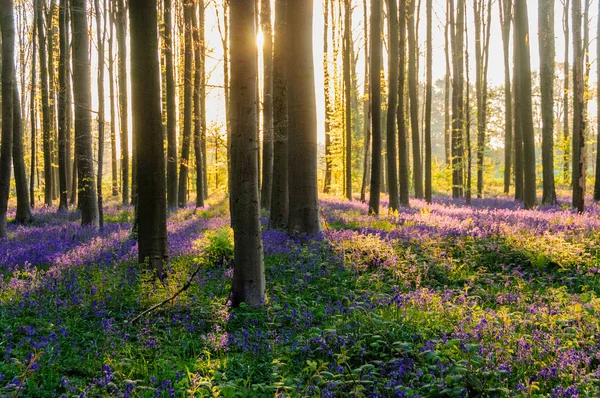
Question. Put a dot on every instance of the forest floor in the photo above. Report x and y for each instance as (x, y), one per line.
(437, 300)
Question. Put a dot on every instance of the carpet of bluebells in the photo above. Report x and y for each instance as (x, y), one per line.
(437, 300)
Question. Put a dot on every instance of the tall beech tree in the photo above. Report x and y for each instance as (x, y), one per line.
(404, 181)
(413, 96)
(347, 50)
(597, 182)
(171, 106)
(366, 110)
(505, 12)
(302, 113)
(267, 158)
(279, 193)
(248, 285)
(63, 104)
(518, 125)
(428, 97)
(447, 89)
(199, 96)
(327, 97)
(32, 110)
(23, 214)
(547, 53)
(579, 113)
(375, 94)
(82, 97)
(101, 34)
(457, 32)
(121, 28)
(566, 87)
(392, 171)
(46, 117)
(8, 85)
(182, 194)
(111, 90)
(147, 130)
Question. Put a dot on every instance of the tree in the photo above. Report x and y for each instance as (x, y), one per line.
(375, 106)
(428, 96)
(267, 158)
(597, 182)
(414, 105)
(199, 100)
(8, 82)
(366, 112)
(279, 193)
(171, 108)
(327, 96)
(187, 104)
(526, 114)
(457, 29)
(111, 79)
(392, 171)
(302, 113)
(505, 8)
(518, 129)
(248, 283)
(147, 129)
(348, 95)
(83, 99)
(32, 118)
(579, 122)
(121, 24)
(46, 120)
(447, 89)
(567, 71)
(23, 214)
(404, 185)
(63, 104)
(101, 32)
(546, 39)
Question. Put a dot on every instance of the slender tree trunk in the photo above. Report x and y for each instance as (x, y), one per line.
(302, 111)
(392, 156)
(225, 41)
(469, 169)
(187, 105)
(546, 40)
(101, 34)
(62, 106)
(248, 284)
(46, 122)
(71, 189)
(428, 96)
(597, 182)
(8, 85)
(566, 136)
(267, 158)
(83, 99)
(171, 108)
(348, 95)
(111, 79)
(32, 110)
(279, 194)
(505, 8)
(199, 91)
(414, 104)
(579, 120)
(518, 130)
(121, 27)
(524, 82)
(327, 96)
(457, 27)
(23, 215)
(366, 112)
(447, 89)
(404, 181)
(375, 97)
(147, 130)
(50, 39)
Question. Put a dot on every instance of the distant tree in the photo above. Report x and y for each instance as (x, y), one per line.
(392, 171)
(547, 52)
(467, 115)
(248, 285)
(327, 97)
(147, 130)
(8, 83)
(375, 96)
(46, 119)
(171, 106)
(63, 59)
(579, 114)
(279, 193)
(199, 98)
(82, 97)
(32, 109)
(518, 129)
(121, 28)
(567, 71)
(597, 182)
(302, 111)
(348, 43)
(457, 28)
(447, 90)
(505, 8)
(267, 158)
(23, 214)
(414, 105)
(404, 186)
(101, 34)
(428, 95)
(366, 111)
(111, 78)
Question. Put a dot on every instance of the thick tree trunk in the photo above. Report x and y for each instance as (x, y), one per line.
(62, 106)
(267, 158)
(83, 100)
(8, 85)
(518, 130)
(199, 94)
(414, 104)
(524, 82)
(182, 194)
(347, 50)
(147, 130)
(392, 156)
(327, 96)
(171, 108)
(375, 97)
(457, 97)
(46, 121)
(248, 283)
(404, 181)
(302, 111)
(579, 122)
(505, 8)
(366, 113)
(546, 40)
(121, 24)
(23, 214)
(428, 95)
(101, 34)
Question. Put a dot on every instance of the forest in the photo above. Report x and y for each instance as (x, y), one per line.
(300, 198)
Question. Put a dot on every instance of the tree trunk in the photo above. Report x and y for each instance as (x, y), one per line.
(414, 104)
(199, 97)
(101, 34)
(524, 82)
(366, 113)
(505, 8)
(518, 130)
(447, 89)
(23, 215)
(457, 41)
(171, 109)
(225, 41)
(121, 24)
(566, 136)
(83, 100)
(327, 96)
(8, 85)
(302, 111)
(50, 39)
(347, 50)
(546, 40)
(392, 156)
(404, 180)
(32, 110)
(267, 158)
(62, 106)
(111, 79)
(248, 285)
(428, 95)
(468, 123)
(375, 97)
(147, 130)
(597, 182)
(187, 104)
(579, 122)
(46, 121)
(279, 194)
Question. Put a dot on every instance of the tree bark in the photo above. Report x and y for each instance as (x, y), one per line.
(101, 34)
(199, 98)
(428, 96)
(46, 121)
(121, 25)
(171, 108)
(23, 214)
(505, 8)
(187, 105)
(414, 104)
(248, 283)
(457, 27)
(447, 90)
(327, 96)
(302, 111)
(347, 50)
(579, 122)
(111, 78)
(375, 96)
(366, 112)
(267, 158)
(404, 181)
(62, 106)
(279, 193)
(32, 110)
(566, 136)
(597, 182)
(546, 40)
(518, 130)
(147, 130)
(392, 156)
